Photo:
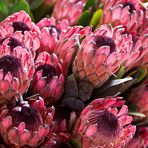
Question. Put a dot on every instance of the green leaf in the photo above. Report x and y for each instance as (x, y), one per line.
(96, 18)
(139, 73)
(75, 143)
(114, 87)
(84, 18)
(88, 4)
(20, 5)
(3, 8)
(136, 114)
(142, 75)
(121, 72)
(35, 4)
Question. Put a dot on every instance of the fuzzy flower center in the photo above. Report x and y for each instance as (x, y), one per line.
(27, 115)
(131, 6)
(14, 43)
(107, 123)
(47, 71)
(10, 64)
(105, 41)
(54, 27)
(20, 26)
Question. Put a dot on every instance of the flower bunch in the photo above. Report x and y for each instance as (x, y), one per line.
(77, 78)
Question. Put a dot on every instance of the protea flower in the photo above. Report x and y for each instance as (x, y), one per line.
(16, 69)
(70, 10)
(141, 138)
(101, 124)
(101, 54)
(129, 13)
(138, 97)
(20, 26)
(26, 123)
(19, 21)
(51, 32)
(142, 59)
(48, 79)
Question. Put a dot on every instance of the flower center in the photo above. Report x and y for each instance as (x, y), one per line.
(131, 6)
(48, 71)
(14, 43)
(10, 64)
(20, 26)
(107, 123)
(27, 115)
(105, 41)
(54, 27)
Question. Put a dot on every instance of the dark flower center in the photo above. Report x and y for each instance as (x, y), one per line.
(107, 123)
(54, 27)
(48, 71)
(20, 26)
(27, 115)
(105, 41)
(10, 64)
(131, 6)
(14, 43)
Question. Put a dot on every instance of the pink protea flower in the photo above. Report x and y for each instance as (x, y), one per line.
(26, 124)
(69, 43)
(16, 69)
(26, 41)
(48, 79)
(129, 13)
(51, 32)
(70, 10)
(142, 59)
(102, 124)
(101, 54)
(141, 138)
(138, 97)
(19, 21)
(20, 26)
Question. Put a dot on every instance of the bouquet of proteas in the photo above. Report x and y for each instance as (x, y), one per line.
(73, 74)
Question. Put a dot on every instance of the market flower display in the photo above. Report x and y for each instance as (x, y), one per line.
(74, 74)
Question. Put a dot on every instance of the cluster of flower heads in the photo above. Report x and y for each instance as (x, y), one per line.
(49, 72)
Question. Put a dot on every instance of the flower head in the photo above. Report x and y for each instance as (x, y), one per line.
(101, 123)
(140, 139)
(48, 79)
(19, 21)
(51, 32)
(16, 70)
(70, 10)
(129, 13)
(20, 27)
(101, 53)
(26, 123)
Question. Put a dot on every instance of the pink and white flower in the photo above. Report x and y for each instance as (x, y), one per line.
(102, 124)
